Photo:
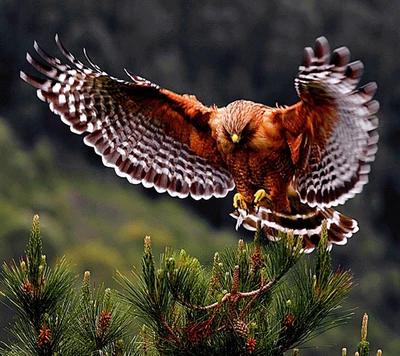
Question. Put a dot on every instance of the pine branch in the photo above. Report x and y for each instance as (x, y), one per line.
(363, 346)
(102, 322)
(274, 301)
(39, 293)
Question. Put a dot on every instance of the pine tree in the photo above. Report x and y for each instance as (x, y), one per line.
(43, 299)
(52, 319)
(255, 301)
(258, 299)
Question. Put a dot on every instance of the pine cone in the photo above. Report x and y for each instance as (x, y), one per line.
(241, 328)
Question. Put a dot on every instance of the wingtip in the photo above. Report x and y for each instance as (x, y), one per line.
(91, 62)
(23, 76)
(322, 48)
(373, 107)
(340, 56)
(129, 74)
(59, 43)
(371, 88)
(86, 54)
(28, 58)
(308, 54)
(36, 82)
(321, 39)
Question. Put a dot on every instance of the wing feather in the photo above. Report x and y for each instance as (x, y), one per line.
(147, 134)
(337, 124)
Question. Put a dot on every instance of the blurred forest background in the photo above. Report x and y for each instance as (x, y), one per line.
(220, 51)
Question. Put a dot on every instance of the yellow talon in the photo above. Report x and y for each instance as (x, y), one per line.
(260, 195)
(238, 202)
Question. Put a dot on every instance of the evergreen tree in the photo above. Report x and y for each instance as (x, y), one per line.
(43, 299)
(52, 318)
(256, 300)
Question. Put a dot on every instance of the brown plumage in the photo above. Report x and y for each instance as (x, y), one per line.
(290, 165)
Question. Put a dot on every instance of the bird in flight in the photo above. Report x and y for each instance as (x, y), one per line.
(290, 164)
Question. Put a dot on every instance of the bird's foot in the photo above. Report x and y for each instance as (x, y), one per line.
(239, 202)
(260, 195)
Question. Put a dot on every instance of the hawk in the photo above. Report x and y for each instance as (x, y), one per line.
(290, 164)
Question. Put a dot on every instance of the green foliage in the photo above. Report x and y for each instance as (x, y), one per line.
(52, 319)
(102, 324)
(256, 300)
(43, 298)
(363, 345)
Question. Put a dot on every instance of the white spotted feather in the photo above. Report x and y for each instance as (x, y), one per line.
(133, 145)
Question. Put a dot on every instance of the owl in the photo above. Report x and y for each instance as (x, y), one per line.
(291, 165)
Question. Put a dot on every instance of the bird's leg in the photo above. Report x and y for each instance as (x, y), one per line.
(239, 202)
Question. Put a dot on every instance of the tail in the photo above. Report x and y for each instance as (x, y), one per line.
(303, 220)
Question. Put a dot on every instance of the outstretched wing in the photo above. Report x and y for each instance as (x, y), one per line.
(331, 132)
(148, 134)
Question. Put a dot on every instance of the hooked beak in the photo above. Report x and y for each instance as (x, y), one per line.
(235, 138)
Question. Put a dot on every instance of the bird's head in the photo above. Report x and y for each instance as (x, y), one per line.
(240, 120)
